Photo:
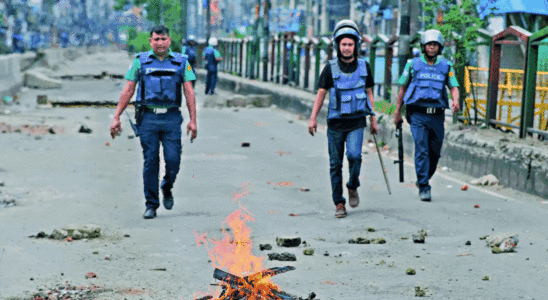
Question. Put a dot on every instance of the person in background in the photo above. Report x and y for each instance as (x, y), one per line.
(423, 92)
(212, 58)
(350, 82)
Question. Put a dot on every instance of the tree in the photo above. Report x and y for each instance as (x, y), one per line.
(166, 12)
(459, 22)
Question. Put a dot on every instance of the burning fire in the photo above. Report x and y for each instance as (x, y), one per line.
(233, 254)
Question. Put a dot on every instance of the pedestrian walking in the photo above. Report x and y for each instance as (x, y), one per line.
(424, 94)
(160, 74)
(349, 82)
(212, 58)
(189, 49)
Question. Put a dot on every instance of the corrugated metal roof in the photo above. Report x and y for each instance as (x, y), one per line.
(538, 7)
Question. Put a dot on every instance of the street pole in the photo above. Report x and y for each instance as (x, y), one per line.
(208, 21)
(405, 34)
(266, 31)
(183, 16)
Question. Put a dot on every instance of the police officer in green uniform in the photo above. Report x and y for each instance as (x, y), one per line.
(423, 92)
(162, 76)
(349, 82)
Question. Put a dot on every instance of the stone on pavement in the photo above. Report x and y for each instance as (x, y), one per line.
(288, 241)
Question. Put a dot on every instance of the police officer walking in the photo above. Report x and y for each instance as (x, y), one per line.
(349, 81)
(160, 74)
(212, 57)
(189, 49)
(424, 94)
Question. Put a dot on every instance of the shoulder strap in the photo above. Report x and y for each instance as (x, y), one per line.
(362, 67)
(335, 70)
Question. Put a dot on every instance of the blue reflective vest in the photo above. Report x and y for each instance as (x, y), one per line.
(347, 98)
(209, 54)
(427, 88)
(160, 81)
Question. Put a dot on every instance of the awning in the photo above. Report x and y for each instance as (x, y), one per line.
(537, 7)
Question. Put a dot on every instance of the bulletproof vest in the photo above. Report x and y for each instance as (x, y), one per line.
(427, 88)
(209, 54)
(348, 99)
(160, 81)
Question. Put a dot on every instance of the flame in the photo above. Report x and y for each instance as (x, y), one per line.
(233, 254)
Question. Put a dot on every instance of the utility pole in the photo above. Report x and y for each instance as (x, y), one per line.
(208, 20)
(405, 34)
(183, 16)
(266, 31)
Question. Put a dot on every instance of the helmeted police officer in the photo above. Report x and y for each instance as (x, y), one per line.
(212, 57)
(423, 91)
(189, 51)
(349, 81)
(160, 74)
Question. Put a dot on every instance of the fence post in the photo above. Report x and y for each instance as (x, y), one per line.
(272, 58)
(280, 56)
(298, 47)
(241, 54)
(307, 64)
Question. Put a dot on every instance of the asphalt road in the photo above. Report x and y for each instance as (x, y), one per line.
(71, 178)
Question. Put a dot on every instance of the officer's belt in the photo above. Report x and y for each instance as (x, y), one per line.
(160, 110)
(425, 110)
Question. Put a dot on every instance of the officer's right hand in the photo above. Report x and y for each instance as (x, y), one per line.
(115, 127)
(193, 129)
(312, 127)
(397, 118)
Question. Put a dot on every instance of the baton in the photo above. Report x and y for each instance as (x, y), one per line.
(382, 165)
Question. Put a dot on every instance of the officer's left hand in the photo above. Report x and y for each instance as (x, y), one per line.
(373, 128)
(455, 107)
(191, 127)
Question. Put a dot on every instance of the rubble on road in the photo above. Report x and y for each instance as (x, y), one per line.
(7, 203)
(502, 243)
(308, 251)
(420, 291)
(286, 256)
(85, 129)
(486, 180)
(419, 237)
(288, 241)
(263, 247)
(73, 232)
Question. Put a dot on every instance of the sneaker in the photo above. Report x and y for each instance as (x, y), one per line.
(150, 213)
(341, 211)
(353, 198)
(168, 199)
(425, 195)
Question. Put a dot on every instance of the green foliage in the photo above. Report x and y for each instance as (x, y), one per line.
(460, 26)
(385, 107)
(139, 42)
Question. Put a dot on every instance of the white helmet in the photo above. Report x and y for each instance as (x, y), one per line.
(433, 35)
(212, 42)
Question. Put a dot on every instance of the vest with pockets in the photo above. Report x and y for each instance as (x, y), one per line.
(427, 87)
(347, 98)
(160, 81)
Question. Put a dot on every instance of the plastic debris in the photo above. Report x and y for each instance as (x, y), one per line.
(91, 275)
(410, 271)
(486, 180)
(308, 251)
(464, 188)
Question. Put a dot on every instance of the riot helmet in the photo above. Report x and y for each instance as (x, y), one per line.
(212, 42)
(432, 35)
(346, 28)
(190, 39)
